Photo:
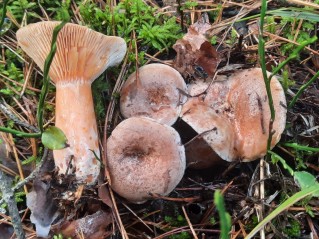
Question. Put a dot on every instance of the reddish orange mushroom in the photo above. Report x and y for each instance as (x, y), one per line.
(144, 157)
(82, 55)
(154, 91)
(233, 115)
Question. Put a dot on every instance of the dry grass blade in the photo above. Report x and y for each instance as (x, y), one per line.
(304, 3)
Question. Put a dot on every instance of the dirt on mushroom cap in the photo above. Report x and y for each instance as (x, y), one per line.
(144, 157)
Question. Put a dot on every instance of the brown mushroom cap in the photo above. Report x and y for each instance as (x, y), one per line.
(249, 100)
(239, 103)
(216, 130)
(156, 94)
(144, 157)
(82, 54)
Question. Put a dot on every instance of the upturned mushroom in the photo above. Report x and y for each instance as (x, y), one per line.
(144, 157)
(233, 115)
(153, 91)
(82, 55)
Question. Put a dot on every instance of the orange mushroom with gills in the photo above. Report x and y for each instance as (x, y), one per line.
(237, 105)
(144, 158)
(82, 55)
(153, 91)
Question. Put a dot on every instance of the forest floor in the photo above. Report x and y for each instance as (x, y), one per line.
(251, 190)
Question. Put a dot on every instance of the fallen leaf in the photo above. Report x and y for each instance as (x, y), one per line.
(196, 56)
(40, 201)
(93, 226)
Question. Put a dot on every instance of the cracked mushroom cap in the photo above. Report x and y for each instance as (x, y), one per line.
(237, 105)
(155, 93)
(82, 54)
(144, 157)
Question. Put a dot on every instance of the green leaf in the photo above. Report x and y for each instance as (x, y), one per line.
(296, 13)
(54, 138)
(284, 206)
(306, 180)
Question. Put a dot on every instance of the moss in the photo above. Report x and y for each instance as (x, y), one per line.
(293, 229)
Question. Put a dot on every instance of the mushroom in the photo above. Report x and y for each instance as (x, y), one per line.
(153, 91)
(144, 157)
(233, 115)
(82, 55)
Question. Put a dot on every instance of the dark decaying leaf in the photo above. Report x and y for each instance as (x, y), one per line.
(6, 231)
(195, 54)
(104, 194)
(40, 201)
(93, 226)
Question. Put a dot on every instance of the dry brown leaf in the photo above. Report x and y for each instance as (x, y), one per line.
(93, 226)
(195, 55)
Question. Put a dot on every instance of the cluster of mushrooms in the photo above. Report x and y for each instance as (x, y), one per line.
(145, 154)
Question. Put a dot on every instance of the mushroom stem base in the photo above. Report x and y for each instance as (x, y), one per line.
(75, 116)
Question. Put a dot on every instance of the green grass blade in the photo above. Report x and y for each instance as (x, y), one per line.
(20, 133)
(293, 55)
(302, 89)
(301, 147)
(296, 13)
(285, 205)
(224, 217)
(46, 79)
(275, 157)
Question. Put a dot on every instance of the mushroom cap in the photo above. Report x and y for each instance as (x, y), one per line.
(249, 100)
(239, 103)
(216, 130)
(144, 157)
(82, 54)
(157, 94)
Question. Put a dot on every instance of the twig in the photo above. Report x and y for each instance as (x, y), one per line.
(107, 176)
(262, 194)
(18, 162)
(32, 175)
(7, 112)
(34, 172)
(189, 223)
(8, 197)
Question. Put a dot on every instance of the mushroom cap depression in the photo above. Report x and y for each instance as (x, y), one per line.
(239, 103)
(82, 54)
(144, 157)
(157, 93)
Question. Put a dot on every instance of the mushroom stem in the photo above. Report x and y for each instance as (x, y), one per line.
(74, 105)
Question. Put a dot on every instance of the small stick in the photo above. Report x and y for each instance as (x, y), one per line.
(262, 194)
(32, 175)
(8, 197)
(189, 223)
(15, 153)
(15, 119)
